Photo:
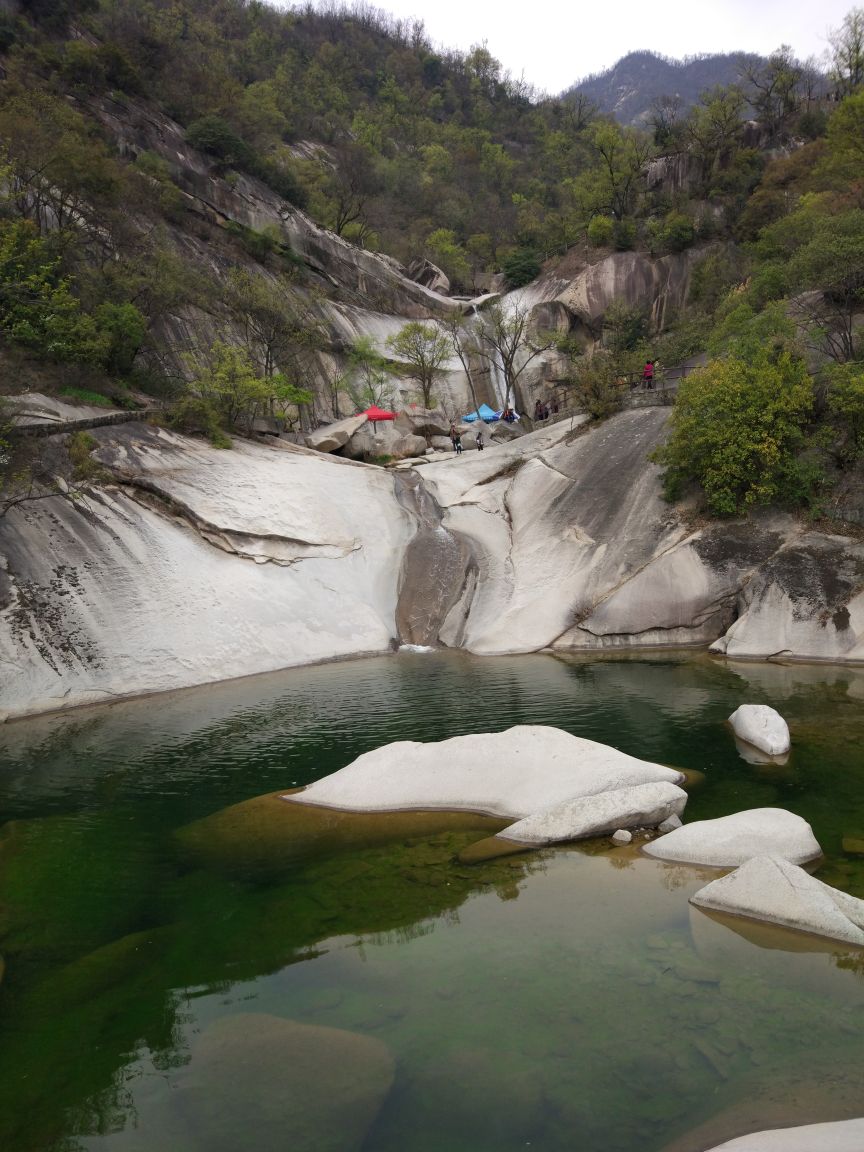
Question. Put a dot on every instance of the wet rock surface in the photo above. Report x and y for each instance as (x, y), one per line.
(274, 1077)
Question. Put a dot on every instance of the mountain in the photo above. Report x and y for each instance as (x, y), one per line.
(629, 88)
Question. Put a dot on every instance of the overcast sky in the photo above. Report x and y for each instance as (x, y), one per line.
(555, 45)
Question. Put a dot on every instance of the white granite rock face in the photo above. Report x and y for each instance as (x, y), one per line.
(770, 888)
(267, 556)
(732, 840)
(512, 773)
(762, 727)
(640, 806)
(840, 1136)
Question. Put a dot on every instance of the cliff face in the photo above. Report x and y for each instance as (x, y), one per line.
(195, 565)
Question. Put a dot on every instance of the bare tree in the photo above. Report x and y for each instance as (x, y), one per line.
(505, 342)
(464, 346)
(847, 52)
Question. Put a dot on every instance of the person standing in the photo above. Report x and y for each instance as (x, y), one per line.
(648, 374)
(479, 440)
(457, 443)
(454, 435)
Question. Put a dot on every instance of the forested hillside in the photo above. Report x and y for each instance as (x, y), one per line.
(128, 125)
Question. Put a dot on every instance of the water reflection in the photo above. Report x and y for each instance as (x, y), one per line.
(569, 998)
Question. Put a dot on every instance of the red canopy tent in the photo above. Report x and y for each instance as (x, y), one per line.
(376, 413)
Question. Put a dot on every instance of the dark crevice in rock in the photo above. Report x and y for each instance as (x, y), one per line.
(435, 568)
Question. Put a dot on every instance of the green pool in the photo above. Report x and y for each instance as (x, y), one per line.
(564, 1000)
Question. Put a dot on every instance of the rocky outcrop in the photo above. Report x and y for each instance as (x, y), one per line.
(197, 564)
(332, 437)
(524, 770)
(424, 272)
(732, 840)
(770, 888)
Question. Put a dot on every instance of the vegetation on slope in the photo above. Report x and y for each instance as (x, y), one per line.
(397, 145)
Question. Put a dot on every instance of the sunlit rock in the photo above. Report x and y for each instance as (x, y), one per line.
(317, 1088)
(641, 806)
(731, 840)
(513, 773)
(761, 726)
(771, 888)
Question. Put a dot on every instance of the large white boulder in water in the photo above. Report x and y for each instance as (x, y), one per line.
(841, 1136)
(511, 774)
(762, 727)
(770, 888)
(640, 806)
(731, 840)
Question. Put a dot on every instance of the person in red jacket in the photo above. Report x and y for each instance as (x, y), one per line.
(648, 374)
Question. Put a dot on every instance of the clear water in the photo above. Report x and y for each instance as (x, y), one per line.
(563, 1000)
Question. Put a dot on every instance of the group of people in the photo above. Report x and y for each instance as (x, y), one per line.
(542, 410)
(456, 439)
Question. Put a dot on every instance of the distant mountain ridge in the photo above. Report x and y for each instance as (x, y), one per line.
(628, 89)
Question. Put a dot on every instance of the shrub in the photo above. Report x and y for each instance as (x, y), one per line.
(601, 231)
(521, 267)
(737, 427)
(196, 415)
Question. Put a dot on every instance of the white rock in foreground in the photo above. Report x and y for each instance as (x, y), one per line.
(731, 840)
(762, 727)
(641, 806)
(512, 773)
(841, 1136)
(770, 888)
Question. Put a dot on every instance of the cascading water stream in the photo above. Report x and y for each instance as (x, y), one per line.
(435, 569)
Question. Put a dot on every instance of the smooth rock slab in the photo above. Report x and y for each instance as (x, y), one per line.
(513, 773)
(841, 1136)
(642, 806)
(264, 1082)
(762, 727)
(732, 840)
(770, 888)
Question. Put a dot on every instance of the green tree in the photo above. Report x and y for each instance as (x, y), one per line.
(845, 405)
(370, 383)
(736, 429)
(425, 349)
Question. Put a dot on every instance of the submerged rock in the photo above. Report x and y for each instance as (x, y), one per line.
(761, 726)
(770, 888)
(310, 1088)
(841, 1136)
(512, 773)
(642, 806)
(731, 840)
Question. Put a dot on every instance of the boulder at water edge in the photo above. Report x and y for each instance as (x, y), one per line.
(731, 840)
(264, 1082)
(841, 1136)
(641, 806)
(770, 888)
(512, 773)
(762, 727)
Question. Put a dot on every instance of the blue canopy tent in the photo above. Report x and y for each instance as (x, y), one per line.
(485, 413)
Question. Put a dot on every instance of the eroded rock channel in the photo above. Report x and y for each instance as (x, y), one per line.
(435, 569)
